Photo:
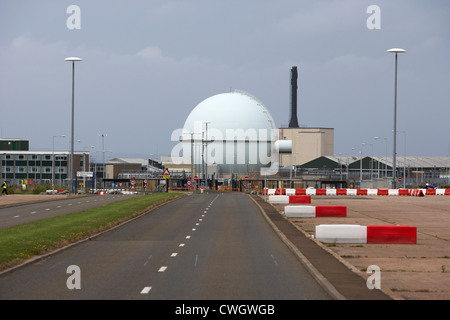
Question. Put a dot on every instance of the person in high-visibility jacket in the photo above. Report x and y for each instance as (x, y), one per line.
(4, 188)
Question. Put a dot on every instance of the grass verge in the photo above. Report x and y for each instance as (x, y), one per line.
(22, 242)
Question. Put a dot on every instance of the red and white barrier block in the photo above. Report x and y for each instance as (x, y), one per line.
(390, 234)
(315, 212)
(357, 192)
(283, 199)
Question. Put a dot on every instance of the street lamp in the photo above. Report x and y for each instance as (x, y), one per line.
(394, 159)
(103, 135)
(53, 160)
(206, 145)
(73, 60)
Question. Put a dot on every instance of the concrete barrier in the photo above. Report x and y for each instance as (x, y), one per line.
(290, 192)
(392, 234)
(357, 192)
(381, 234)
(331, 211)
(315, 212)
(299, 199)
(289, 199)
(278, 199)
(342, 233)
(300, 211)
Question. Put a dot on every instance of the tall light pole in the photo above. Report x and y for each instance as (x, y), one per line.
(73, 60)
(206, 145)
(53, 160)
(103, 135)
(394, 157)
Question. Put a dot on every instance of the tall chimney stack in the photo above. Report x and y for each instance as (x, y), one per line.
(293, 122)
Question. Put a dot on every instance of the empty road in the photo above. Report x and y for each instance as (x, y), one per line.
(203, 246)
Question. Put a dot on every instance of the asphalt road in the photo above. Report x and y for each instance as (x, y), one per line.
(203, 246)
(14, 215)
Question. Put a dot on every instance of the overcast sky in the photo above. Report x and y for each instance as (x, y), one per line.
(148, 63)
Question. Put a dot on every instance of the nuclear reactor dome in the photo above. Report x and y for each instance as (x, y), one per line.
(232, 131)
(231, 110)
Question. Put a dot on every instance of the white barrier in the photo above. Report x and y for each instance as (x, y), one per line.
(393, 192)
(290, 192)
(351, 192)
(310, 192)
(279, 199)
(300, 211)
(343, 233)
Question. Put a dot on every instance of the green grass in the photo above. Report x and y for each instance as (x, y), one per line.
(25, 241)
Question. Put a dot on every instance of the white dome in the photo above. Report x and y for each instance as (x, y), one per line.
(238, 137)
(231, 110)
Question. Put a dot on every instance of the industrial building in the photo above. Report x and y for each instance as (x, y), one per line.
(374, 171)
(233, 134)
(22, 167)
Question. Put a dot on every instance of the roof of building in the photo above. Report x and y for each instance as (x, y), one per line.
(352, 161)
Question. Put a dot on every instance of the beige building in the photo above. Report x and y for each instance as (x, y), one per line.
(307, 144)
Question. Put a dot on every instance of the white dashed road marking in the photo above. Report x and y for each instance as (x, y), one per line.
(162, 269)
(146, 290)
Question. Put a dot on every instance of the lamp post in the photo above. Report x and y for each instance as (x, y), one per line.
(394, 159)
(53, 160)
(206, 146)
(103, 135)
(73, 60)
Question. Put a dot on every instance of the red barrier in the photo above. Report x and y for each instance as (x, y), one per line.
(430, 192)
(341, 192)
(331, 211)
(383, 192)
(277, 192)
(321, 192)
(361, 192)
(299, 199)
(415, 192)
(447, 192)
(300, 192)
(392, 234)
(403, 192)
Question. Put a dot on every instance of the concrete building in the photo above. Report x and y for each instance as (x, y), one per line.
(307, 144)
(40, 167)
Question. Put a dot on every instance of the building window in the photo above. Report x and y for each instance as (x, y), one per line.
(34, 170)
(21, 169)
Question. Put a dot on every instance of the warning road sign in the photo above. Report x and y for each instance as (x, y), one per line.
(166, 174)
